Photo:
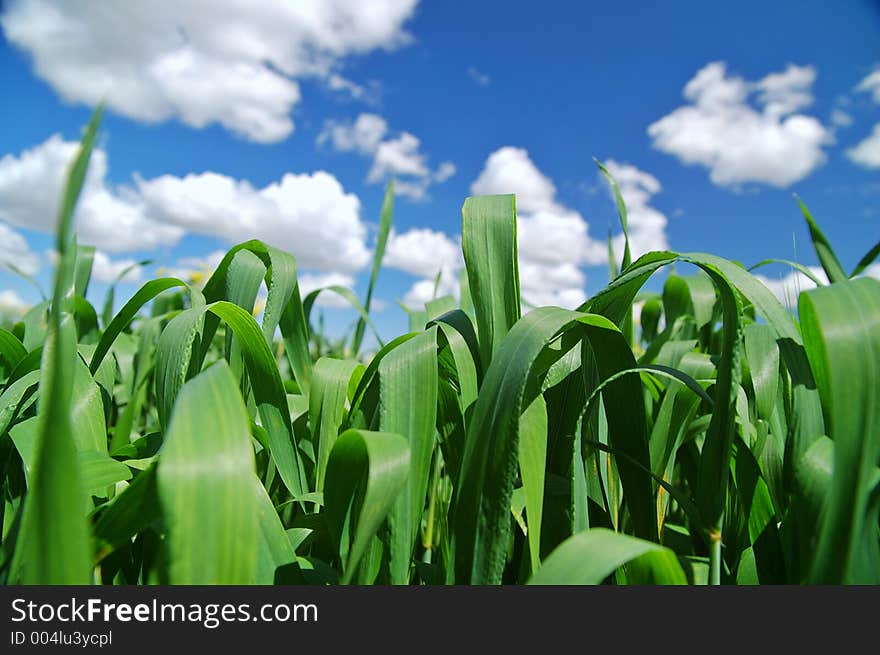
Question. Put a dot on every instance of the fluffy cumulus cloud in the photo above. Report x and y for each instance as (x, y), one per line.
(110, 218)
(553, 240)
(308, 214)
(867, 151)
(14, 251)
(231, 62)
(400, 156)
(744, 131)
(425, 253)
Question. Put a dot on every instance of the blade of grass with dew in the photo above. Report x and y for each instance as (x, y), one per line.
(408, 406)
(365, 473)
(53, 545)
(488, 229)
(205, 476)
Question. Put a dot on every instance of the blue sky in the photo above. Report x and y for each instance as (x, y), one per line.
(284, 123)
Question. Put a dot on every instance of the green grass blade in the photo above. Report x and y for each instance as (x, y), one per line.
(488, 230)
(128, 312)
(841, 326)
(621, 212)
(823, 249)
(85, 257)
(532, 466)
(53, 546)
(365, 473)
(867, 260)
(408, 406)
(385, 218)
(205, 475)
(174, 364)
(330, 380)
(589, 557)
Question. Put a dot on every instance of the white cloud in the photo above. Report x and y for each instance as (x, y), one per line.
(400, 156)
(114, 219)
(105, 269)
(444, 171)
(423, 290)
(871, 84)
(552, 240)
(647, 225)
(423, 252)
(481, 79)
(14, 250)
(720, 130)
(867, 152)
(230, 62)
(840, 118)
(308, 214)
(12, 305)
(364, 135)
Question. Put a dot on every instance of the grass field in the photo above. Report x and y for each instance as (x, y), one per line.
(181, 440)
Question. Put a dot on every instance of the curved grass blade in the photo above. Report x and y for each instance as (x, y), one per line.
(365, 473)
(841, 326)
(589, 557)
(174, 364)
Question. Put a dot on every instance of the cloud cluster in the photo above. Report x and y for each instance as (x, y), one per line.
(308, 214)
(867, 151)
(229, 62)
(398, 156)
(745, 131)
(553, 240)
(14, 251)
(425, 253)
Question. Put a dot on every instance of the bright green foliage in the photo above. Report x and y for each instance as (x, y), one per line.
(182, 440)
